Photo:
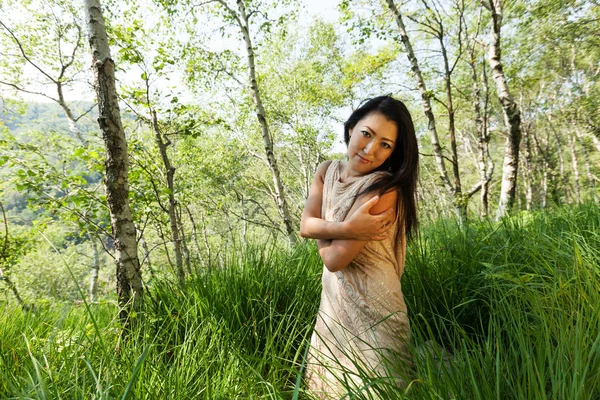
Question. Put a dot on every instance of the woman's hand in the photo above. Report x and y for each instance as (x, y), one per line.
(365, 226)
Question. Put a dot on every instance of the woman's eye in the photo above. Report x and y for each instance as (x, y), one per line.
(386, 145)
(365, 133)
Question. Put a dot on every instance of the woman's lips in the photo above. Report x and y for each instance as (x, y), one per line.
(363, 160)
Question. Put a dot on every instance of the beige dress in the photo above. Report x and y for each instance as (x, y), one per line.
(362, 326)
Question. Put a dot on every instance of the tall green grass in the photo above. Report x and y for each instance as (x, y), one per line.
(512, 307)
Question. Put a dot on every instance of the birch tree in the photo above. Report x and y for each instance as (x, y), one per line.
(130, 290)
(241, 18)
(46, 68)
(435, 26)
(144, 100)
(512, 116)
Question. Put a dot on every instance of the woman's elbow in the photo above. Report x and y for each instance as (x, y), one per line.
(333, 264)
(334, 267)
(303, 229)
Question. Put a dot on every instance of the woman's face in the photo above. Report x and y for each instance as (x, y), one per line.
(371, 143)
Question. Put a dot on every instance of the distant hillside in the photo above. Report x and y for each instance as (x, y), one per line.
(22, 117)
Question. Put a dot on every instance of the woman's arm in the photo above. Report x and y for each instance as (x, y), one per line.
(337, 254)
(362, 224)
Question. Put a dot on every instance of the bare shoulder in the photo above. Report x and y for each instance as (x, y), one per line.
(386, 201)
(322, 169)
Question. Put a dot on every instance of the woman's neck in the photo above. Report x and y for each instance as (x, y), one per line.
(346, 174)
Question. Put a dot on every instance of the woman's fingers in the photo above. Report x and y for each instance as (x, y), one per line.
(368, 204)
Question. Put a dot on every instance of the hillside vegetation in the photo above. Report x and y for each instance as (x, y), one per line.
(511, 308)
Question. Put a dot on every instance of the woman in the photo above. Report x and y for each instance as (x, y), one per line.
(361, 212)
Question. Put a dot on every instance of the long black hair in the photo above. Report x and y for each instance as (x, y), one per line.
(403, 165)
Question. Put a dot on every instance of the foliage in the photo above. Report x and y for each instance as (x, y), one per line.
(496, 300)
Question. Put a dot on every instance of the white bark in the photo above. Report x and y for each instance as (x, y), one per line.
(512, 116)
(129, 281)
(95, 270)
(575, 165)
(485, 163)
(528, 173)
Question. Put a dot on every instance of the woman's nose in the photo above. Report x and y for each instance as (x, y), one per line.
(368, 147)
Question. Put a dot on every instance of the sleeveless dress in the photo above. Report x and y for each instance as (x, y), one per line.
(362, 325)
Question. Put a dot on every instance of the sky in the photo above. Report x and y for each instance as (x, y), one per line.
(325, 9)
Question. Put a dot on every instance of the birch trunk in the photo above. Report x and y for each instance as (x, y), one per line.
(281, 196)
(460, 199)
(512, 117)
(561, 168)
(425, 96)
(130, 290)
(528, 171)
(588, 168)
(485, 163)
(95, 271)
(575, 165)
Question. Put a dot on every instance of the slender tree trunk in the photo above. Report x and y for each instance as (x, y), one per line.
(458, 200)
(281, 196)
(484, 161)
(451, 124)
(512, 117)
(561, 168)
(425, 97)
(588, 169)
(130, 290)
(72, 122)
(184, 248)
(13, 288)
(575, 165)
(528, 171)
(194, 230)
(544, 194)
(95, 271)
(305, 173)
(205, 240)
(545, 168)
(147, 259)
(170, 174)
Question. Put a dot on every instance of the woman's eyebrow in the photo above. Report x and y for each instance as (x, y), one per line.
(383, 138)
